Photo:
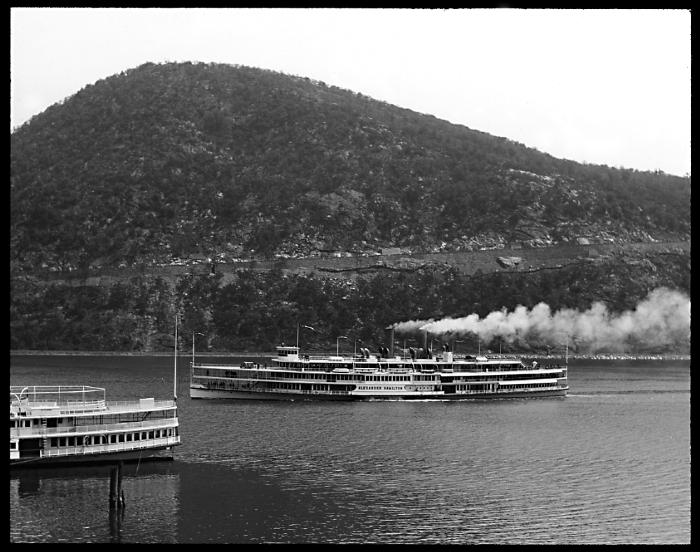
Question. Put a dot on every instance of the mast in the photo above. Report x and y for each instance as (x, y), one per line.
(175, 368)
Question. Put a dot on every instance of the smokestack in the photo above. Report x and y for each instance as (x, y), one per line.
(389, 336)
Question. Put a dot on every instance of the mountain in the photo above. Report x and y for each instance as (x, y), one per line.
(167, 163)
(175, 160)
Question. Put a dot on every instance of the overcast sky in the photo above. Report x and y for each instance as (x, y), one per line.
(597, 86)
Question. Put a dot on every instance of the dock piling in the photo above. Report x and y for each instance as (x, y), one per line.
(120, 492)
(113, 488)
(116, 493)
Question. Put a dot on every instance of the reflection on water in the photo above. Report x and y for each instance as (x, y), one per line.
(610, 463)
(116, 518)
(72, 505)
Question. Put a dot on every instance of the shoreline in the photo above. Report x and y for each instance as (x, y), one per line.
(533, 356)
(187, 354)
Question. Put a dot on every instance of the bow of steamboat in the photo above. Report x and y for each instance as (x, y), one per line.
(290, 375)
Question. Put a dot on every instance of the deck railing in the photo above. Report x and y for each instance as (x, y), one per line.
(102, 408)
(112, 447)
(123, 406)
(385, 367)
(64, 408)
(56, 393)
(39, 431)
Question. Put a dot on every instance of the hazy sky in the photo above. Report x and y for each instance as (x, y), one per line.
(598, 86)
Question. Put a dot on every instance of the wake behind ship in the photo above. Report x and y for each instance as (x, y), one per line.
(375, 377)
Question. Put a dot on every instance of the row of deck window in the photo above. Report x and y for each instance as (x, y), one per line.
(486, 386)
(29, 422)
(529, 386)
(275, 386)
(322, 377)
(95, 420)
(22, 423)
(267, 385)
(406, 366)
(388, 378)
(113, 438)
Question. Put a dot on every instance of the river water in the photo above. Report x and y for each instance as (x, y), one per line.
(610, 463)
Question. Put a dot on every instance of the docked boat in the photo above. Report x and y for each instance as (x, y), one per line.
(75, 424)
(367, 376)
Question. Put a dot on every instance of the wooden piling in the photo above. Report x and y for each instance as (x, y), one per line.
(120, 492)
(113, 497)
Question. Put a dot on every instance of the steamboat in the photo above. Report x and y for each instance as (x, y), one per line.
(367, 376)
(75, 424)
(61, 424)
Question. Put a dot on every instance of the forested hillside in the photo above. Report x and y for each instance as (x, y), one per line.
(177, 161)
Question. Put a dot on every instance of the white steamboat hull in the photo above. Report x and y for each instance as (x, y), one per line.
(200, 393)
(140, 455)
(203, 393)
